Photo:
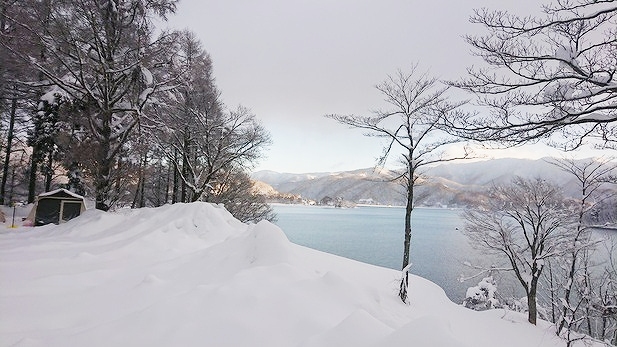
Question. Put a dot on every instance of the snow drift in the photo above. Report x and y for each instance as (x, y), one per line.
(192, 275)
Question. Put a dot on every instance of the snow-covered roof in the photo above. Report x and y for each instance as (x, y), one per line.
(62, 190)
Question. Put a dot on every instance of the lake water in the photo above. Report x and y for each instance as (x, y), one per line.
(375, 235)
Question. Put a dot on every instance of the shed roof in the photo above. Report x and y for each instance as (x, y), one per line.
(61, 193)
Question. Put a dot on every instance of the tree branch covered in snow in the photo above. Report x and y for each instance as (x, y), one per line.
(103, 56)
(554, 75)
(528, 223)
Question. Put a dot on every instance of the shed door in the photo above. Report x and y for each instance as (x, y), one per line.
(47, 211)
(70, 210)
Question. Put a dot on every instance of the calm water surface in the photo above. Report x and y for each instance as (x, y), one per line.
(375, 235)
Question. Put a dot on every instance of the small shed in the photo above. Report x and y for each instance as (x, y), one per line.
(57, 206)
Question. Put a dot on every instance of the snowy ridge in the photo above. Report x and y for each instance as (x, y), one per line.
(450, 184)
(192, 275)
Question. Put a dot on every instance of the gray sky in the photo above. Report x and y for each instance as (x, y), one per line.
(291, 62)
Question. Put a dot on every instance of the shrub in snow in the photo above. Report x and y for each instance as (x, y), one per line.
(482, 297)
(518, 305)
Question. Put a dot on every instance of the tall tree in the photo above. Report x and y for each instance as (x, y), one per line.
(543, 76)
(217, 143)
(417, 106)
(101, 53)
(203, 141)
(14, 91)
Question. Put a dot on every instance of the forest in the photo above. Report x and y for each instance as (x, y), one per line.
(97, 100)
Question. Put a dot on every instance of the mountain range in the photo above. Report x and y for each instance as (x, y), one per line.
(446, 185)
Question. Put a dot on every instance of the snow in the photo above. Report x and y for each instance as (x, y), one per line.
(566, 54)
(145, 94)
(192, 275)
(148, 78)
(77, 196)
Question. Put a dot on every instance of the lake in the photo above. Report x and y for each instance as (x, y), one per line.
(375, 235)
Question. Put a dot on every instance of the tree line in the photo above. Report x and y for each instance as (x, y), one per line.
(94, 98)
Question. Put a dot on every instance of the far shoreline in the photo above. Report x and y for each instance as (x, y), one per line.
(366, 205)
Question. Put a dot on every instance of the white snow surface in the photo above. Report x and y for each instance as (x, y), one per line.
(192, 275)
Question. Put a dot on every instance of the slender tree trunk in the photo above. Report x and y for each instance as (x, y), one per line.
(532, 303)
(185, 170)
(12, 186)
(174, 192)
(36, 150)
(9, 145)
(103, 175)
(575, 256)
(137, 190)
(553, 297)
(3, 10)
(167, 182)
(161, 183)
(404, 287)
(588, 304)
(138, 197)
(102, 185)
(142, 200)
(568, 291)
(603, 335)
(49, 170)
(32, 176)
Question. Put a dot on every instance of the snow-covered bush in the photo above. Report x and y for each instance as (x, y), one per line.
(483, 296)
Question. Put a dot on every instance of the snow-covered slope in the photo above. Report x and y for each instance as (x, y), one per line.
(192, 275)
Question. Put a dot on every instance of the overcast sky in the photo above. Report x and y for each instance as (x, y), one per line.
(291, 62)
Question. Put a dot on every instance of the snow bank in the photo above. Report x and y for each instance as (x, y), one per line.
(192, 275)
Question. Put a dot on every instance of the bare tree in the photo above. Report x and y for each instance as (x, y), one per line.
(231, 139)
(549, 75)
(575, 282)
(236, 191)
(528, 223)
(417, 105)
(208, 146)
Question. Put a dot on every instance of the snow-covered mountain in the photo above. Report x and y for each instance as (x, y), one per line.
(452, 184)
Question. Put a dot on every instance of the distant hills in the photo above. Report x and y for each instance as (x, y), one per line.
(447, 185)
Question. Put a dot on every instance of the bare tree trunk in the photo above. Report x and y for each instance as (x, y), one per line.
(167, 182)
(532, 303)
(103, 179)
(49, 173)
(404, 288)
(9, 144)
(552, 293)
(12, 186)
(36, 150)
(32, 176)
(138, 197)
(137, 190)
(184, 172)
(142, 174)
(174, 192)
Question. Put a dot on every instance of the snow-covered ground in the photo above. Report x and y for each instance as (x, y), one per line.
(192, 275)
